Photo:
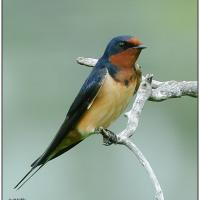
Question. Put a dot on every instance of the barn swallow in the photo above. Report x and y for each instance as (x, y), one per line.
(103, 97)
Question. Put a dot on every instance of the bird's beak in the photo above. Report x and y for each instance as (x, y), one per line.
(141, 46)
(137, 44)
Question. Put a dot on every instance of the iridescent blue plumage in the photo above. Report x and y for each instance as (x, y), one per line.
(111, 67)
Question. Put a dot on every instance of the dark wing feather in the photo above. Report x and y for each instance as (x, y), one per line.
(82, 101)
(84, 98)
(65, 149)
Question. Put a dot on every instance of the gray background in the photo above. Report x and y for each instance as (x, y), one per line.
(41, 40)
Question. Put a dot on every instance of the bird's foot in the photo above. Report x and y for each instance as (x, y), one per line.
(108, 136)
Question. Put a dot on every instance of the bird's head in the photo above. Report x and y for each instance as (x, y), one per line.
(123, 51)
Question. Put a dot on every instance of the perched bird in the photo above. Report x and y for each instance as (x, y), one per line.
(102, 98)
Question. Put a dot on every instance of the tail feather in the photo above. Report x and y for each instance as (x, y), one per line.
(23, 178)
(26, 178)
(35, 163)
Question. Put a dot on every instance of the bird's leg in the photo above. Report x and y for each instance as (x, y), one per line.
(108, 136)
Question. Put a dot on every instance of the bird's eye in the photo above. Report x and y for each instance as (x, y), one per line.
(122, 44)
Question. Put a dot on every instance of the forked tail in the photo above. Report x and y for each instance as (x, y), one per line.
(27, 177)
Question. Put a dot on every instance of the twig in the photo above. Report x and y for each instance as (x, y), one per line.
(174, 89)
(122, 138)
(160, 90)
(149, 90)
(158, 191)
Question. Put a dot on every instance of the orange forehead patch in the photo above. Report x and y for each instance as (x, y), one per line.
(135, 41)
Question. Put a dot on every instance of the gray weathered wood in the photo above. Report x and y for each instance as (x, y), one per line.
(149, 90)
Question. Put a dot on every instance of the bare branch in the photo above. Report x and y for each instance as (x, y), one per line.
(89, 62)
(149, 90)
(133, 115)
(174, 89)
(143, 94)
(122, 138)
(147, 166)
(160, 90)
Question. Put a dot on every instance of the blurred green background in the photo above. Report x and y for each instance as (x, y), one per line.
(41, 40)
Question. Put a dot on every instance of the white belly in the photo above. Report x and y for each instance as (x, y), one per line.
(110, 102)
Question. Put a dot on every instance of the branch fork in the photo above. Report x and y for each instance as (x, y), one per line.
(149, 90)
(123, 138)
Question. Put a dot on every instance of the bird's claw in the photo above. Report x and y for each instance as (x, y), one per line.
(106, 141)
(108, 136)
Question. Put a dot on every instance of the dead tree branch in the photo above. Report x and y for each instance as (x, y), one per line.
(160, 90)
(149, 90)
